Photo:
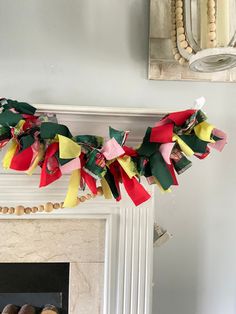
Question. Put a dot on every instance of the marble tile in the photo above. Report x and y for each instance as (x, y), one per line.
(80, 242)
(31, 240)
(86, 288)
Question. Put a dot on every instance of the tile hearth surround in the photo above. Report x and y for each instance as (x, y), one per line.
(78, 241)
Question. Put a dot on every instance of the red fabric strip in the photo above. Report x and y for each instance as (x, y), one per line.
(22, 161)
(54, 173)
(90, 181)
(180, 117)
(135, 190)
(162, 133)
(130, 151)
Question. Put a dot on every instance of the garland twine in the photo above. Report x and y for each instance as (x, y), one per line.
(35, 141)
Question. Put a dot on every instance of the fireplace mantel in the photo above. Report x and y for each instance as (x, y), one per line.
(129, 229)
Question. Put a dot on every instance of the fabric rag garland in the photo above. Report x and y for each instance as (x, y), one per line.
(33, 141)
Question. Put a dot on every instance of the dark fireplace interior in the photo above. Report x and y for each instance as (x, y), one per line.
(37, 284)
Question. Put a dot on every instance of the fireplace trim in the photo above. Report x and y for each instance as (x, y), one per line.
(128, 261)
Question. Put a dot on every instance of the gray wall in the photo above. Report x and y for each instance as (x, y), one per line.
(84, 52)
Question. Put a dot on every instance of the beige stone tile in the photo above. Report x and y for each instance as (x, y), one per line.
(74, 240)
(86, 288)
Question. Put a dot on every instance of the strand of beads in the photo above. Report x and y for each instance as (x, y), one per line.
(48, 207)
(178, 34)
(211, 15)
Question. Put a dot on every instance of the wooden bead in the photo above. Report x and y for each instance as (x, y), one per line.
(211, 3)
(211, 18)
(179, 4)
(212, 27)
(181, 61)
(34, 209)
(41, 208)
(179, 17)
(179, 24)
(62, 205)
(19, 210)
(56, 205)
(212, 44)
(48, 207)
(179, 11)
(11, 210)
(212, 35)
(211, 11)
(177, 56)
(0, 209)
(180, 30)
(82, 199)
(88, 196)
(28, 210)
(99, 191)
(181, 37)
(184, 44)
(5, 210)
(189, 49)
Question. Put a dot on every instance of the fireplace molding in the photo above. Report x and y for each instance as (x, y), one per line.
(129, 229)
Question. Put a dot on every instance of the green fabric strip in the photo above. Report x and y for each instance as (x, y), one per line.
(147, 148)
(96, 163)
(182, 164)
(5, 132)
(197, 145)
(49, 130)
(201, 116)
(118, 135)
(62, 161)
(26, 141)
(21, 107)
(8, 118)
(160, 170)
(90, 140)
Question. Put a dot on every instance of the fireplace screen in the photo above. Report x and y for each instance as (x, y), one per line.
(38, 284)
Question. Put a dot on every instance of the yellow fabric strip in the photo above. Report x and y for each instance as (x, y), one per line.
(38, 158)
(68, 149)
(72, 192)
(128, 166)
(203, 131)
(9, 154)
(106, 189)
(184, 147)
(19, 126)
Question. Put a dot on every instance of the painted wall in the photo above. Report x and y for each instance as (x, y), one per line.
(87, 52)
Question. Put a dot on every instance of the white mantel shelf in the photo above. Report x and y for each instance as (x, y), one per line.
(103, 111)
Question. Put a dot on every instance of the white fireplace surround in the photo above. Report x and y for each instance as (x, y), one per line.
(129, 229)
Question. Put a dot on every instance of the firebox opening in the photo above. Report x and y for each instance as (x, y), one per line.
(37, 284)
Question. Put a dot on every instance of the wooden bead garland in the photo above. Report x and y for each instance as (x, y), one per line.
(211, 15)
(48, 207)
(178, 36)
